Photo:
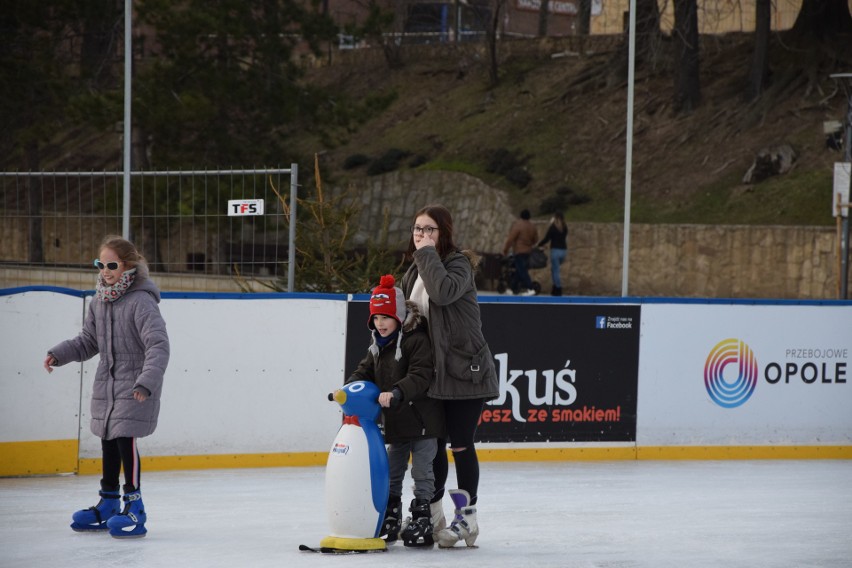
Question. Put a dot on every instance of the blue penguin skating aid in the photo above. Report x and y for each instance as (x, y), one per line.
(356, 475)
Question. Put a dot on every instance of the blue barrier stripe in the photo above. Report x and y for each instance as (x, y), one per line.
(483, 298)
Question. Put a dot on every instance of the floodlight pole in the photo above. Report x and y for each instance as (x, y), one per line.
(291, 253)
(847, 156)
(628, 154)
(128, 72)
(845, 79)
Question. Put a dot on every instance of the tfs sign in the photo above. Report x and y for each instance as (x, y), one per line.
(242, 207)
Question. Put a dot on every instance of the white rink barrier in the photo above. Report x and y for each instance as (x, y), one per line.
(247, 383)
(715, 375)
(249, 375)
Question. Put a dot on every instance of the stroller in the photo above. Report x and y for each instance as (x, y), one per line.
(509, 280)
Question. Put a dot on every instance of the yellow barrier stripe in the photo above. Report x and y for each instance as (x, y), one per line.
(217, 461)
(556, 454)
(60, 456)
(744, 452)
(38, 458)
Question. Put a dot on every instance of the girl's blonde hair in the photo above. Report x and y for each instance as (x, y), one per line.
(125, 250)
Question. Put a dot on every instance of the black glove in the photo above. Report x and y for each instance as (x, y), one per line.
(397, 398)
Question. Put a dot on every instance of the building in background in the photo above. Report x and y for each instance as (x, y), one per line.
(425, 21)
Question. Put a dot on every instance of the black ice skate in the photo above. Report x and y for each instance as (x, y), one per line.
(418, 532)
(393, 520)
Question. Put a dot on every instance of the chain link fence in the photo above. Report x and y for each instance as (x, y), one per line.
(199, 230)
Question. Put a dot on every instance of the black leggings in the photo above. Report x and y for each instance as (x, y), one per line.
(117, 453)
(462, 418)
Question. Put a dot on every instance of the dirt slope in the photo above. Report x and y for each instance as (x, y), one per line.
(570, 134)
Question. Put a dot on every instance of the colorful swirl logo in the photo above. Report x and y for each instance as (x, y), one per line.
(726, 390)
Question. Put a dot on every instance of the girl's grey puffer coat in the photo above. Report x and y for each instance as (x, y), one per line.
(130, 335)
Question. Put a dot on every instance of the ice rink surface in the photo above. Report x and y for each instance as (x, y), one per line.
(684, 514)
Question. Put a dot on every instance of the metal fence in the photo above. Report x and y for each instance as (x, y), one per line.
(199, 230)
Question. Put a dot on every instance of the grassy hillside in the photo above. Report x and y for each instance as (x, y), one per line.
(566, 132)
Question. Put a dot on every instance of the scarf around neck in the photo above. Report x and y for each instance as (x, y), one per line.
(380, 342)
(117, 290)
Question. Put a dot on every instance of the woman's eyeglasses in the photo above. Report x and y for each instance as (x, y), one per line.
(415, 229)
(100, 265)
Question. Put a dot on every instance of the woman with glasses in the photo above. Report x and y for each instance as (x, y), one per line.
(440, 281)
(125, 328)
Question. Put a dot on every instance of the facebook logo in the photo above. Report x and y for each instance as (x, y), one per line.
(600, 322)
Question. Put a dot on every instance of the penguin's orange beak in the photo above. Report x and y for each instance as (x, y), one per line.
(340, 397)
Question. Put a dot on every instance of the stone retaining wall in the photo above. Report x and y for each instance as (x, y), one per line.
(702, 261)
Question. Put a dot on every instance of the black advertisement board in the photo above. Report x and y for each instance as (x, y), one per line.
(567, 372)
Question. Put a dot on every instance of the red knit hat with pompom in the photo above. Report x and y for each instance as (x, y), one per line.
(387, 300)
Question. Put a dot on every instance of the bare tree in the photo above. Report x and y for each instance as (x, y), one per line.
(102, 26)
(491, 37)
(687, 87)
(823, 18)
(543, 10)
(584, 17)
(819, 44)
(759, 72)
(648, 43)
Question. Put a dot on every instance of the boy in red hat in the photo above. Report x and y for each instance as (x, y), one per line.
(399, 362)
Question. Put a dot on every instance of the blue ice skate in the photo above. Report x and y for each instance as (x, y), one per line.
(130, 523)
(95, 518)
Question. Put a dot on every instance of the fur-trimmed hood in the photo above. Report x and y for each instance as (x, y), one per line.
(474, 258)
(413, 317)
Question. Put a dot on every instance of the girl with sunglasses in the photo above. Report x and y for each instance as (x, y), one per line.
(125, 328)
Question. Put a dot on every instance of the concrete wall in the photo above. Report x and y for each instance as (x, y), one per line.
(693, 261)
(702, 261)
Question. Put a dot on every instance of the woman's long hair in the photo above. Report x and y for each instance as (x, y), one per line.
(442, 217)
(558, 220)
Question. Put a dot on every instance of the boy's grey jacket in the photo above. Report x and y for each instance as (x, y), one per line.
(418, 416)
(130, 335)
(464, 366)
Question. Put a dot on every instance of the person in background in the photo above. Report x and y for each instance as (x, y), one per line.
(125, 328)
(556, 235)
(440, 281)
(399, 362)
(522, 237)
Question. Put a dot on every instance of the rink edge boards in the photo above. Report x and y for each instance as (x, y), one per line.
(48, 457)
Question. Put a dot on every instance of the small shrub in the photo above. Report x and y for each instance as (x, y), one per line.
(518, 176)
(388, 162)
(501, 161)
(417, 161)
(563, 198)
(509, 165)
(355, 161)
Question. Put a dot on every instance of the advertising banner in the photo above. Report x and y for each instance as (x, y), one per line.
(728, 375)
(567, 373)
